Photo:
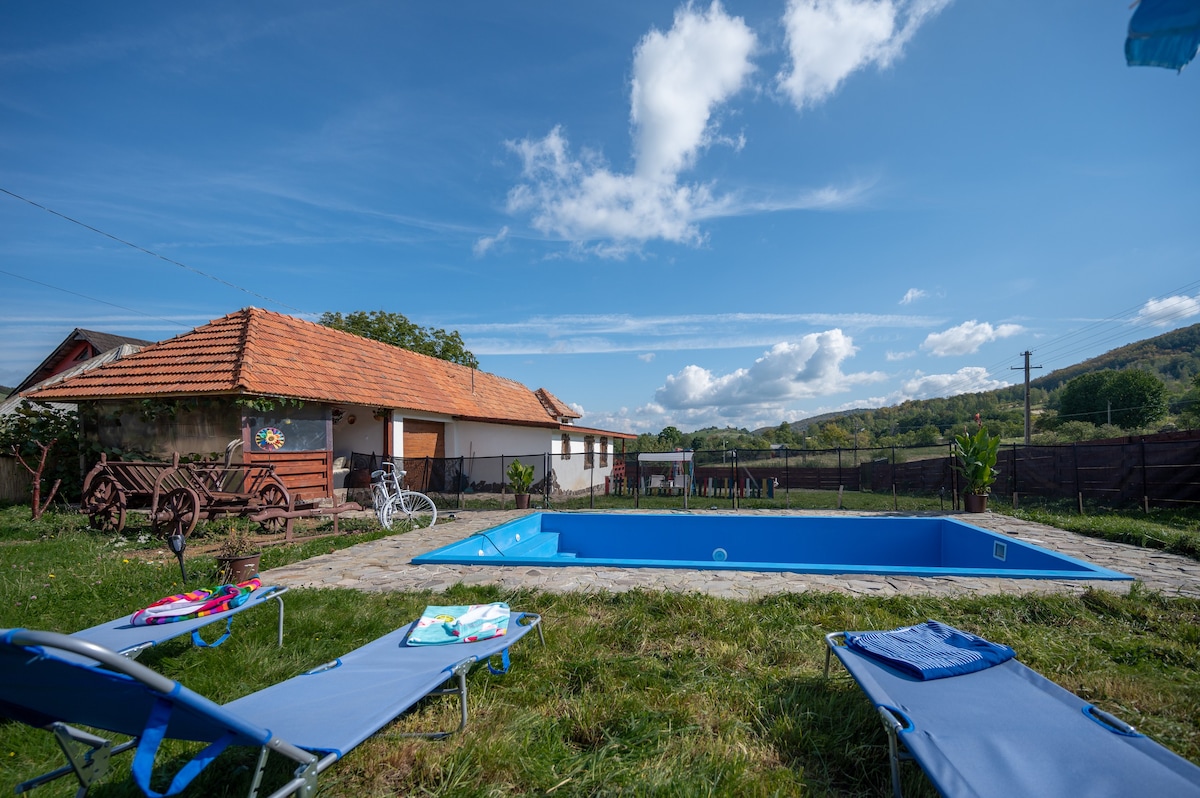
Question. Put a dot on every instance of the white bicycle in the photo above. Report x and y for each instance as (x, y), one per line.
(391, 499)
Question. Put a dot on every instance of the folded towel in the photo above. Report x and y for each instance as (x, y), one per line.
(930, 650)
(195, 604)
(463, 623)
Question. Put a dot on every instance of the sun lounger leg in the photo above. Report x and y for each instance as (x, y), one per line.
(896, 752)
(88, 766)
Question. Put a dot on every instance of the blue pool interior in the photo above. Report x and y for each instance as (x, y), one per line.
(916, 546)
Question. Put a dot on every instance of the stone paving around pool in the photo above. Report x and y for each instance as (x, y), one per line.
(385, 565)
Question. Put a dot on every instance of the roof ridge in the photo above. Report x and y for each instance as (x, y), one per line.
(242, 352)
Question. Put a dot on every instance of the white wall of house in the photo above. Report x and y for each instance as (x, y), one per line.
(573, 473)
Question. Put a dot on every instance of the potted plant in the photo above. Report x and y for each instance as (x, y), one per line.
(237, 555)
(520, 477)
(976, 456)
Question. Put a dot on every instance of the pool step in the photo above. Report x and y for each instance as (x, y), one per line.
(542, 544)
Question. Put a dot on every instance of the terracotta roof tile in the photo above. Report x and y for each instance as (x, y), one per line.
(259, 352)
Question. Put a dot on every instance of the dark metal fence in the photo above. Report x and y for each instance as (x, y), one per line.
(1161, 472)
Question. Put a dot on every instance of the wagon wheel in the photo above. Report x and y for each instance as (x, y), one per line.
(105, 504)
(273, 494)
(178, 513)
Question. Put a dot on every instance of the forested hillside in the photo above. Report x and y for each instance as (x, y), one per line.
(1173, 358)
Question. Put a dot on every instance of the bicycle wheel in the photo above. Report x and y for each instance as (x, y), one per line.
(419, 508)
(378, 499)
(387, 512)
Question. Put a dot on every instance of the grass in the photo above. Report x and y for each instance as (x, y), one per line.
(1172, 530)
(639, 692)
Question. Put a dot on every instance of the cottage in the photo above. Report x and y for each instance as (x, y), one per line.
(268, 387)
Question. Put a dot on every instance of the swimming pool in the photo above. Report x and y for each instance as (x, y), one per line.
(914, 546)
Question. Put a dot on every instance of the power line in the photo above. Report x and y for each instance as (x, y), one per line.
(92, 298)
(148, 252)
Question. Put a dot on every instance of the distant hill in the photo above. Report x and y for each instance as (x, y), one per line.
(1173, 356)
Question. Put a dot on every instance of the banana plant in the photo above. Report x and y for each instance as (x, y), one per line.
(977, 455)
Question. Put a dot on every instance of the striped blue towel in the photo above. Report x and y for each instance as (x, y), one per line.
(930, 650)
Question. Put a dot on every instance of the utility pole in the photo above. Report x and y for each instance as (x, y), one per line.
(1028, 426)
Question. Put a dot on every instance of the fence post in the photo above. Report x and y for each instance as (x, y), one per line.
(503, 483)
(637, 482)
(591, 488)
(1078, 490)
(787, 479)
(462, 464)
(733, 491)
(953, 480)
(546, 479)
(1014, 476)
(895, 501)
(1145, 481)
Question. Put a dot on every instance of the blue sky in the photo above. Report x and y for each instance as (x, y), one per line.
(708, 214)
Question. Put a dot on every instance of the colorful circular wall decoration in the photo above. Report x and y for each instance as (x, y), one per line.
(269, 438)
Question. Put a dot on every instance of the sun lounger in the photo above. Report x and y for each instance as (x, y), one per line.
(1005, 730)
(121, 636)
(49, 680)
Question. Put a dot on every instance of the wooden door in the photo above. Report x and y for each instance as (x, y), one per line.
(424, 454)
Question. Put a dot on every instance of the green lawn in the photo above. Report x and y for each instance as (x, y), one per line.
(643, 693)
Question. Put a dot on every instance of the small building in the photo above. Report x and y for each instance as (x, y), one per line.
(308, 398)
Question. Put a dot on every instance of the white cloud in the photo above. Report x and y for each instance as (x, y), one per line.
(1165, 312)
(912, 295)
(483, 245)
(646, 357)
(679, 79)
(971, 379)
(828, 40)
(789, 371)
(967, 337)
(894, 356)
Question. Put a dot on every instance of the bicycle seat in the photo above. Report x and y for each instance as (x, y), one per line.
(377, 475)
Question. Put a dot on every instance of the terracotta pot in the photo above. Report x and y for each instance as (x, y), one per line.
(974, 502)
(522, 500)
(234, 570)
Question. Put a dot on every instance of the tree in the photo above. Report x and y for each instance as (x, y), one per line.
(669, 438)
(45, 442)
(397, 330)
(1189, 405)
(1134, 398)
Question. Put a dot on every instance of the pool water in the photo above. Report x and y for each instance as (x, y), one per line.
(915, 546)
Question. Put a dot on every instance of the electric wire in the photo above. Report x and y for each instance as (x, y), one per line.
(149, 252)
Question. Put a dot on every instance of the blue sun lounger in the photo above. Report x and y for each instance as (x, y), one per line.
(1006, 730)
(49, 680)
(121, 636)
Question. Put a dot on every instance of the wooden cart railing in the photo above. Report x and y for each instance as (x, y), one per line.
(180, 494)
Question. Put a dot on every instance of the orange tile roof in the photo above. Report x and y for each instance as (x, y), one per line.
(258, 352)
(554, 406)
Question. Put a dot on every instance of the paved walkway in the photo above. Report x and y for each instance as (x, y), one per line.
(384, 564)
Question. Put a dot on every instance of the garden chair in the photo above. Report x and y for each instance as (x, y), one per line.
(1004, 729)
(121, 636)
(49, 680)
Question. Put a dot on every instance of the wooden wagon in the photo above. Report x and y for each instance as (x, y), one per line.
(180, 494)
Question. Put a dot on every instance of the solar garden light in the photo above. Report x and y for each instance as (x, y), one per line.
(176, 543)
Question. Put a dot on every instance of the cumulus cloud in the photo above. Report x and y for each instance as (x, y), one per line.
(680, 78)
(971, 379)
(788, 371)
(1165, 312)
(483, 245)
(966, 338)
(912, 295)
(828, 40)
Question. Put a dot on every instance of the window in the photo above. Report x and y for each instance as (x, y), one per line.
(566, 446)
(604, 451)
(589, 451)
